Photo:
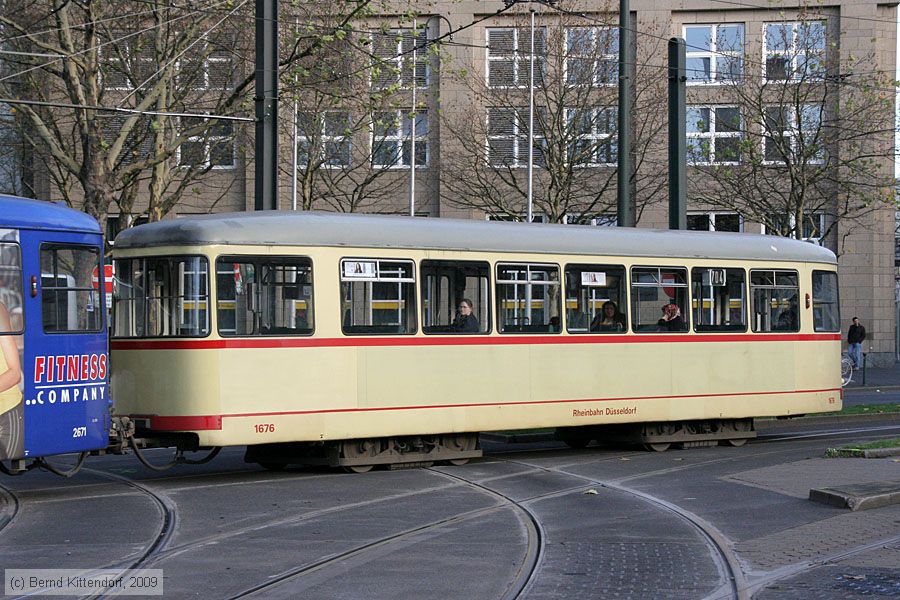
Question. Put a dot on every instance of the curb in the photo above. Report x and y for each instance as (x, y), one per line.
(859, 453)
(858, 497)
(872, 388)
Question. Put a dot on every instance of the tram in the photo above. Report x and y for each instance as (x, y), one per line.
(53, 340)
(356, 340)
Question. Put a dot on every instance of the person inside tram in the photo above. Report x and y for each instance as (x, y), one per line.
(609, 318)
(671, 319)
(465, 321)
(787, 319)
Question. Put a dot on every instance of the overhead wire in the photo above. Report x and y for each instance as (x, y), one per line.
(101, 45)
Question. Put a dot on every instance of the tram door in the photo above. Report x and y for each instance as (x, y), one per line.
(66, 401)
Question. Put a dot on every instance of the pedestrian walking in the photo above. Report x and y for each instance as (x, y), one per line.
(855, 336)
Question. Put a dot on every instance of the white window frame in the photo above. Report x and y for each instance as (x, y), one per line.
(713, 134)
(793, 52)
(520, 218)
(396, 61)
(519, 54)
(712, 218)
(595, 137)
(398, 137)
(597, 56)
(792, 132)
(792, 221)
(714, 54)
(325, 139)
(520, 123)
(208, 142)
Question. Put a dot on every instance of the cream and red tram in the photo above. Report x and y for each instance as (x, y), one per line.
(338, 338)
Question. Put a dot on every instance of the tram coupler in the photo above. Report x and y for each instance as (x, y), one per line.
(120, 431)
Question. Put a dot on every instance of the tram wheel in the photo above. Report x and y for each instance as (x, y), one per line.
(273, 466)
(359, 468)
(658, 447)
(354, 449)
(459, 442)
(737, 443)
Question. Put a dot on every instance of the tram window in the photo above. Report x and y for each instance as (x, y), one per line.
(379, 296)
(528, 298)
(445, 284)
(161, 297)
(774, 295)
(826, 315)
(590, 288)
(258, 296)
(11, 297)
(718, 299)
(659, 299)
(70, 302)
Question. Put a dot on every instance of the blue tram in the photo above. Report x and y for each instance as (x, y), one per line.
(54, 394)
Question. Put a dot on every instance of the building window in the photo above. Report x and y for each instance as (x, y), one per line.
(392, 138)
(714, 52)
(126, 61)
(212, 148)
(713, 135)
(794, 134)
(138, 143)
(507, 143)
(786, 226)
(393, 58)
(210, 69)
(592, 56)
(508, 54)
(594, 136)
(520, 218)
(605, 221)
(794, 50)
(715, 221)
(323, 139)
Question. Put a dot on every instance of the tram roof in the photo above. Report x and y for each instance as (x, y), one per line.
(24, 213)
(284, 228)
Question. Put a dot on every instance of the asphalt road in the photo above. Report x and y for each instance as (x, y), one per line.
(529, 521)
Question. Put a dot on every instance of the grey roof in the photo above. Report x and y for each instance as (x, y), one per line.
(280, 228)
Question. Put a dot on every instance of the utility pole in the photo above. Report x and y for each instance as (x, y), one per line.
(266, 175)
(677, 135)
(625, 214)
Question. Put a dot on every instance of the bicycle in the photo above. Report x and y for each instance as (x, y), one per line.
(846, 369)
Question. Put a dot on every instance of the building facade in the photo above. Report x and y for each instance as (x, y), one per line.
(790, 124)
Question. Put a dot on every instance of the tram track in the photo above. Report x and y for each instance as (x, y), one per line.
(9, 507)
(732, 583)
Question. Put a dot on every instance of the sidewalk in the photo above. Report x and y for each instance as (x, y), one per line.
(886, 378)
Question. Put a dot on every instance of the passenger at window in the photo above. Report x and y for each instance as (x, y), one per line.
(465, 321)
(609, 318)
(671, 319)
(788, 319)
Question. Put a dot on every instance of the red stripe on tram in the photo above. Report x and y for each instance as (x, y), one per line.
(368, 342)
(214, 422)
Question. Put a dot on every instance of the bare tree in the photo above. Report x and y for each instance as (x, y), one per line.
(148, 60)
(575, 128)
(801, 143)
(354, 116)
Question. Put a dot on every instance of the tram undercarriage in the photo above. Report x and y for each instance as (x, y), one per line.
(361, 455)
(659, 437)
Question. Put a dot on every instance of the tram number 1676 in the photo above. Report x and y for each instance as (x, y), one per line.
(264, 427)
